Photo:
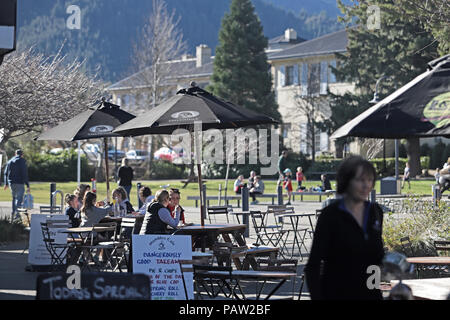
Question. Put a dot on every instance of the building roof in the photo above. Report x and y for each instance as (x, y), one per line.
(329, 43)
(178, 69)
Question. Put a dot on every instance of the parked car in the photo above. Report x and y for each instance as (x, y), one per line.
(166, 154)
(120, 154)
(137, 155)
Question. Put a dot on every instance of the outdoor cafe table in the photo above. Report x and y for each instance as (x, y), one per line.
(209, 233)
(429, 289)
(251, 275)
(423, 262)
(299, 239)
(83, 234)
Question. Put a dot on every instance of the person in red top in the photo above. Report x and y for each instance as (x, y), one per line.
(300, 177)
(174, 198)
(287, 183)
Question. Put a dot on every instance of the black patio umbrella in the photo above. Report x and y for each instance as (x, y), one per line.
(189, 106)
(96, 122)
(421, 108)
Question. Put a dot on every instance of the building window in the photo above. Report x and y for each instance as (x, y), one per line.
(314, 79)
(323, 77)
(332, 75)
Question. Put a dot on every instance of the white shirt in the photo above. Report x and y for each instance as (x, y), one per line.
(149, 199)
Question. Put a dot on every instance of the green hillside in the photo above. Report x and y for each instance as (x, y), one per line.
(109, 27)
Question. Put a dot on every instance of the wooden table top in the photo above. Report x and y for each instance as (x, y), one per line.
(84, 229)
(297, 215)
(429, 260)
(432, 289)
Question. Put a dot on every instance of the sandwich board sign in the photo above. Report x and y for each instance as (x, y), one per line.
(157, 256)
(38, 253)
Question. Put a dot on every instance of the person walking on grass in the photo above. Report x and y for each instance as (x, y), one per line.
(406, 174)
(16, 177)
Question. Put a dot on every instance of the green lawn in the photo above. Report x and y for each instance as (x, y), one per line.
(41, 190)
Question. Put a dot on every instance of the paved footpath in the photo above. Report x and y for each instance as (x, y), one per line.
(18, 284)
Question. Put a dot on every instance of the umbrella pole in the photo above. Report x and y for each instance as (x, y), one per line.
(106, 168)
(202, 201)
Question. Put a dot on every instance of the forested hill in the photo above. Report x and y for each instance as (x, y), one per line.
(109, 27)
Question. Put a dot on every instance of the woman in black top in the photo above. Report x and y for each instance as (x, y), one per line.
(72, 210)
(125, 176)
(347, 239)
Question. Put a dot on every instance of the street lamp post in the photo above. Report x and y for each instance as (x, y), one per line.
(375, 100)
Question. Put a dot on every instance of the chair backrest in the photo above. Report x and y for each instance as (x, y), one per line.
(126, 228)
(185, 266)
(48, 209)
(257, 220)
(405, 242)
(215, 210)
(108, 227)
(222, 253)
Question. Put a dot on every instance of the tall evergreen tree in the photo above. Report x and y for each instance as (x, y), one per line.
(241, 71)
(399, 49)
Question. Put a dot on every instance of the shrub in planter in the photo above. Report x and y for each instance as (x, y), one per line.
(10, 232)
(423, 224)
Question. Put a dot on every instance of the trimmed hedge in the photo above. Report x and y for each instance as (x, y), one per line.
(60, 167)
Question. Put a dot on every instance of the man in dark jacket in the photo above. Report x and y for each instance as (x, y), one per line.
(16, 177)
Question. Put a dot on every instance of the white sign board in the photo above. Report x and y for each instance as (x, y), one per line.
(38, 253)
(7, 37)
(157, 256)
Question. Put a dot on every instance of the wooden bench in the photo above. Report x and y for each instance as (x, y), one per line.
(321, 194)
(216, 198)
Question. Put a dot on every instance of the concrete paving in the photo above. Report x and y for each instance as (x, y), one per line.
(18, 284)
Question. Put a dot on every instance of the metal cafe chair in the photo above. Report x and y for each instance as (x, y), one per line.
(123, 255)
(58, 251)
(218, 210)
(185, 267)
(268, 235)
(102, 248)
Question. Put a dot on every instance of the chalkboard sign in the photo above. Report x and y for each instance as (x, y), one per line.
(93, 286)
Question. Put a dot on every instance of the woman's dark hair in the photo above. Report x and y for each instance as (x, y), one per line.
(81, 190)
(145, 192)
(87, 201)
(348, 170)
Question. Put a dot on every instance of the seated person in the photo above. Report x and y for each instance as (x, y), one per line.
(257, 189)
(251, 180)
(238, 184)
(158, 217)
(90, 214)
(79, 192)
(174, 197)
(145, 194)
(72, 210)
(121, 195)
